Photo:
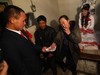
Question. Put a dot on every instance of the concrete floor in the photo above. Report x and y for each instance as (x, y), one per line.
(60, 72)
(68, 72)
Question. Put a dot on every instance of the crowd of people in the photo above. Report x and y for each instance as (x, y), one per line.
(20, 56)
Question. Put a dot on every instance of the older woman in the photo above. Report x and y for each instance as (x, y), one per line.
(67, 43)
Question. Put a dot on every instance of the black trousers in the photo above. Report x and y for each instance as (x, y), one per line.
(49, 62)
(69, 62)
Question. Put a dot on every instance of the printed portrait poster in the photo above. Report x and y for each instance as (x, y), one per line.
(89, 40)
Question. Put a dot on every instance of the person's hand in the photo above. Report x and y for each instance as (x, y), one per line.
(5, 65)
(4, 68)
(44, 49)
(1, 66)
(67, 31)
(66, 28)
(53, 45)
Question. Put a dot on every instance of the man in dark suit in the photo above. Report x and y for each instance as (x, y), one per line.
(19, 52)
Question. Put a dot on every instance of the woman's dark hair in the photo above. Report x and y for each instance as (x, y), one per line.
(84, 19)
(63, 16)
(41, 18)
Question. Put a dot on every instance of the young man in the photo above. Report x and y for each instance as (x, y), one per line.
(44, 36)
(19, 52)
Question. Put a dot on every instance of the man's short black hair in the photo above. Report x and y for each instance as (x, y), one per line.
(12, 11)
(41, 18)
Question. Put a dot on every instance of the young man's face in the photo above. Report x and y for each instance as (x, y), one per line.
(20, 22)
(42, 24)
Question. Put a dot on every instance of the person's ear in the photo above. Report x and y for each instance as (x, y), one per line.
(12, 20)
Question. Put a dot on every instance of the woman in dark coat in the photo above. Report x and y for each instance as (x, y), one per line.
(67, 41)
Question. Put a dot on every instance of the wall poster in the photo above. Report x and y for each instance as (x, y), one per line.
(86, 25)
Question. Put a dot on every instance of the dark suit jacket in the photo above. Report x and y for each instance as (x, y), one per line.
(20, 54)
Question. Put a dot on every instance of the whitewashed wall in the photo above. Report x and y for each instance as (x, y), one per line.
(49, 8)
(69, 7)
